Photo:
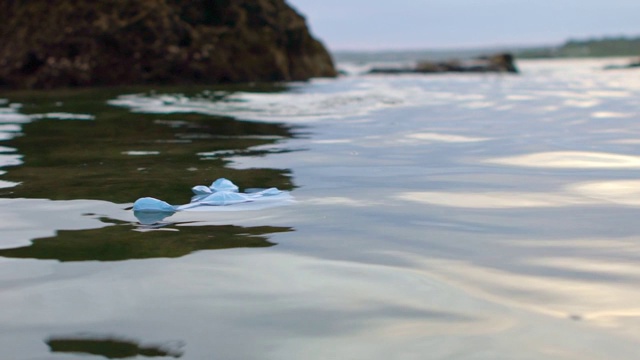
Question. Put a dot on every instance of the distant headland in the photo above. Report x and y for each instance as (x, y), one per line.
(593, 47)
(62, 43)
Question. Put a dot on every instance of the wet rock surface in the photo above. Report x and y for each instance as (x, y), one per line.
(500, 63)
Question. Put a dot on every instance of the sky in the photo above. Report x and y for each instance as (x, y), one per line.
(452, 24)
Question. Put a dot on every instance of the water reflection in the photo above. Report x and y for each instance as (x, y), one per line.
(571, 160)
(492, 200)
(98, 151)
(446, 138)
(622, 192)
(151, 217)
(118, 242)
(112, 347)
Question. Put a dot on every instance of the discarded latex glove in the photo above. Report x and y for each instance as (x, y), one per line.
(151, 204)
(219, 195)
(219, 198)
(223, 184)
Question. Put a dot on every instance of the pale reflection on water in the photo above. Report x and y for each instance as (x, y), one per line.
(492, 200)
(571, 160)
(576, 289)
(623, 192)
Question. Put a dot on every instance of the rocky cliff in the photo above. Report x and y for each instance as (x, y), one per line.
(60, 43)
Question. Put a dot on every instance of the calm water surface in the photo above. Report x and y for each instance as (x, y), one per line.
(436, 217)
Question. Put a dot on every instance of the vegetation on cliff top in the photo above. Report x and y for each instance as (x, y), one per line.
(596, 47)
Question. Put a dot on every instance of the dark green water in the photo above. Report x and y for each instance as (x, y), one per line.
(88, 159)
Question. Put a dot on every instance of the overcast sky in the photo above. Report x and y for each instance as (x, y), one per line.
(425, 24)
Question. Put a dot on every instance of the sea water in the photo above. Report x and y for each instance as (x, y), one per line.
(458, 216)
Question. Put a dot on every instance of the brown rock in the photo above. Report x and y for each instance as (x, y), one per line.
(58, 43)
(493, 63)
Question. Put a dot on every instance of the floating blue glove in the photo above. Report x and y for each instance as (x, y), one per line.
(222, 192)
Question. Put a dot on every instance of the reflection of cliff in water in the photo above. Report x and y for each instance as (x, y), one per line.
(118, 242)
(111, 347)
(121, 156)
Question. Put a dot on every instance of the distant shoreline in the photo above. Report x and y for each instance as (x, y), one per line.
(588, 48)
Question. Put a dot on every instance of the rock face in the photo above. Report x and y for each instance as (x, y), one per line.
(60, 43)
(493, 63)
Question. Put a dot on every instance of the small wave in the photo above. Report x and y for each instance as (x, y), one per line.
(63, 116)
(140, 153)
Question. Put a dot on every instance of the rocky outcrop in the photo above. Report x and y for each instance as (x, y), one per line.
(495, 63)
(631, 65)
(60, 43)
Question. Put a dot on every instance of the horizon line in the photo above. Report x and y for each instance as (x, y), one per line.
(472, 47)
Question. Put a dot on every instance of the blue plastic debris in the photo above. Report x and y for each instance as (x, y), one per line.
(223, 184)
(221, 193)
(152, 204)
